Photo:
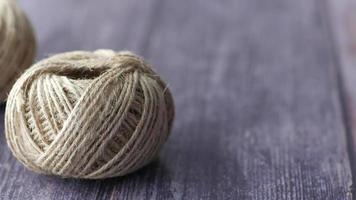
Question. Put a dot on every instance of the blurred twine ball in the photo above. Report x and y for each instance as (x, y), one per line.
(88, 115)
(17, 44)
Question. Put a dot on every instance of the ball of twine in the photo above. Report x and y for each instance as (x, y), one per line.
(88, 115)
(17, 44)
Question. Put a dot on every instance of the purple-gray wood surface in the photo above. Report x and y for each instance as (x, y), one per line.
(256, 86)
(343, 21)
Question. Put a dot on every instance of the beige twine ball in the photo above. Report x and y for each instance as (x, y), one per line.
(88, 115)
(17, 45)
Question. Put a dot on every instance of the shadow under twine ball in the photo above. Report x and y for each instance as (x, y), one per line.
(88, 115)
(17, 45)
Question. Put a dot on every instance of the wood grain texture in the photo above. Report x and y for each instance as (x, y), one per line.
(258, 109)
(343, 22)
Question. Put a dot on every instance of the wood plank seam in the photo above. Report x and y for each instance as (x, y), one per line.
(333, 18)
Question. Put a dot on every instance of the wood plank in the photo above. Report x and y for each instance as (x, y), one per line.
(258, 109)
(343, 17)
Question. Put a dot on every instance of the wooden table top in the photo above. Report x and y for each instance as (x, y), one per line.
(262, 91)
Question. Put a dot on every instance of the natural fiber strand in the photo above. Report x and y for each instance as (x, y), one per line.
(17, 44)
(88, 115)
